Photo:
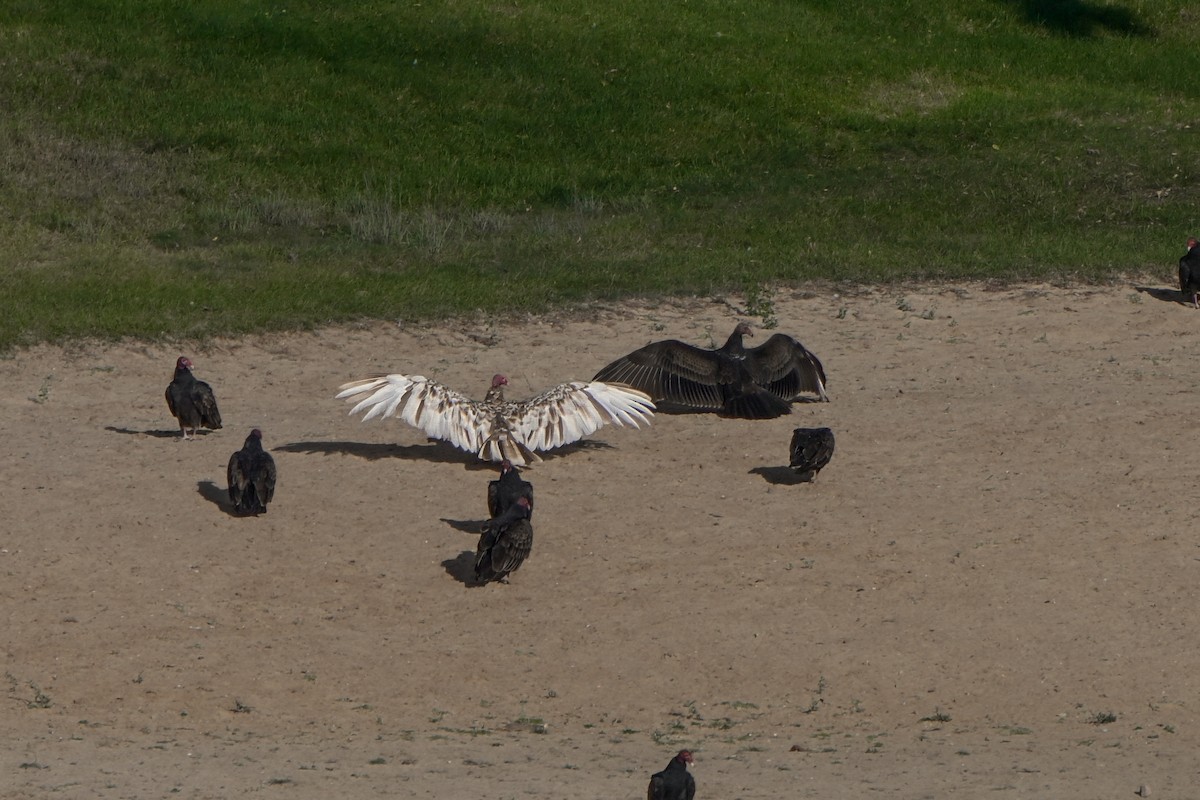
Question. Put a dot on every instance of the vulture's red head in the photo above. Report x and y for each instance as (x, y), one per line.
(1192, 242)
(505, 465)
(256, 433)
(183, 363)
(685, 757)
(523, 502)
(498, 381)
(745, 330)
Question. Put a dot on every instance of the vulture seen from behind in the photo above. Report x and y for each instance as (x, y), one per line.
(251, 474)
(504, 491)
(495, 429)
(1189, 272)
(191, 401)
(505, 543)
(755, 383)
(811, 450)
(674, 782)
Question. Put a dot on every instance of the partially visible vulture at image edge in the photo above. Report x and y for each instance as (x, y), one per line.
(505, 543)
(191, 401)
(1189, 272)
(495, 429)
(505, 490)
(811, 450)
(251, 474)
(674, 782)
(756, 383)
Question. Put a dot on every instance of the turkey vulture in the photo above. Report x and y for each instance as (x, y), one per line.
(503, 492)
(755, 383)
(191, 401)
(674, 782)
(811, 450)
(505, 543)
(251, 475)
(1189, 272)
(494, 429)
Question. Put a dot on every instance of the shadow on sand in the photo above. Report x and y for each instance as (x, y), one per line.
(172, 434)
(217, 496)
(433, 451)
(781, 476)
(462, 569)
(1165, 295)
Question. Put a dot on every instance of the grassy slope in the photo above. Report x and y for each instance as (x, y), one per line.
(222, 165)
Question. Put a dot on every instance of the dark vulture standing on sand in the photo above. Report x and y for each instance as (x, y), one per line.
(495, 429)
(756, 383)
(251, 476)
(503, 492)
(1189, 273)
(505, 543)
(674, 782)
(811, 450)
(191, 401)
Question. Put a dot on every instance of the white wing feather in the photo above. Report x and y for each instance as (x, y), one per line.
(513, 430)
(571, 411)
(435, 409)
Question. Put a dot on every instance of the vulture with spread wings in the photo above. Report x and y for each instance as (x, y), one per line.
(495, 429)
(733, 380)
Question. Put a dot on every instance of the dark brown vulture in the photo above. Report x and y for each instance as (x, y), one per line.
(504, 491)
(251, 474)
(495, 429)
(674, 782)
(1189, 273)
(191, 401)
(811, 450)
(505, 543)
(755, 383)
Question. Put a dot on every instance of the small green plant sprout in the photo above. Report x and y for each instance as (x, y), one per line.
(760, 302)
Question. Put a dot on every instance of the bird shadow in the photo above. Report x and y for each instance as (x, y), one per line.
(462, 569)
(781, 476)
(435, 451)
(216, 495)
(1165, 295)
(472, 526)
(172, 434)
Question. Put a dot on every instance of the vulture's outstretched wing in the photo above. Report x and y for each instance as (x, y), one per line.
(440, 412)
(571, 411)
(675, 372)
(785, 368)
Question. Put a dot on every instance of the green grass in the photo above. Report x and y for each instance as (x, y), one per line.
(184, 169)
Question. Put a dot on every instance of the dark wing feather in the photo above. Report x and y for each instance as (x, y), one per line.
(264, 478)
(504, 545)
(512, 547)
(811, 449)
(690, 793)
(206, 403)
(656, 790)
(672, 371)
(493, 499)
(237, 479)
(785, 368)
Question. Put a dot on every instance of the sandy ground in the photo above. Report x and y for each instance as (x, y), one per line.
(992, 591)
